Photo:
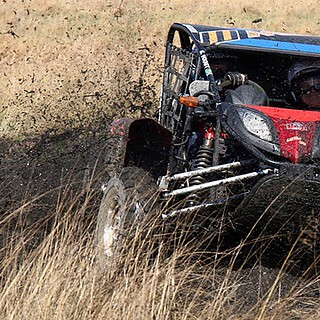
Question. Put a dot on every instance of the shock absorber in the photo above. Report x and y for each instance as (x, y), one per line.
(203, 160)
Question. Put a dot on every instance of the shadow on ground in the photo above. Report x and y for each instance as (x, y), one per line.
(39, 176)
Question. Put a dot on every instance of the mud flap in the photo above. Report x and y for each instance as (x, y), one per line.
(148, 146)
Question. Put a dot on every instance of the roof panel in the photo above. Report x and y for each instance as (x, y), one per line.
(251, 39)
(272, 45)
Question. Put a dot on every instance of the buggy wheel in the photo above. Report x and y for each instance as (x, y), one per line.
(125, 203)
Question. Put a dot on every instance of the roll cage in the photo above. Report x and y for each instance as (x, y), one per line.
(264, 56)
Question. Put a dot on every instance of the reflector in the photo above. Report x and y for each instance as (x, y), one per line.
(188, 101)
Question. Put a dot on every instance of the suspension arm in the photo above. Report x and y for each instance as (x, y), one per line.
(165, 180)
(216, 183)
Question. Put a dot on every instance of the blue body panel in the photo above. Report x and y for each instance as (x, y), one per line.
(272, 45)
(251, 39)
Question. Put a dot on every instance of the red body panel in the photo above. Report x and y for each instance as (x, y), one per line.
(296, 130)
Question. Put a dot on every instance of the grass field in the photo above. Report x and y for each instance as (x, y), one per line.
(66, 69)
(66, 64)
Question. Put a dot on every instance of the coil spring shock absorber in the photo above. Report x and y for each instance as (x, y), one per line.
(203, 160)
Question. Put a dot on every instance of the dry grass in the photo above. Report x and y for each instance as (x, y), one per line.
(49, 270)
(74, 65)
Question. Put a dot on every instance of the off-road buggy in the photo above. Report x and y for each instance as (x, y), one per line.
(231, 147)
